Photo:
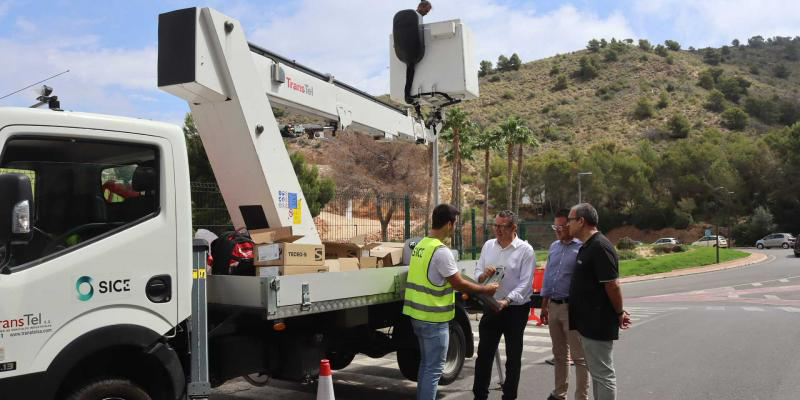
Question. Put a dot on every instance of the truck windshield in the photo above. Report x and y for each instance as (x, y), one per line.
(82, 189)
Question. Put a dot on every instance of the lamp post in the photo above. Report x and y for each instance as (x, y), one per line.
(580, 199)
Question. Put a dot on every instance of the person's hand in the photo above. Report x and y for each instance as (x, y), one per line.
(491, 288)
(487, 273)
(503, 303)
(624, 320)
(544, 316)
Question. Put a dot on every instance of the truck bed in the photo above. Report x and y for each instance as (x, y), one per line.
(294, 295)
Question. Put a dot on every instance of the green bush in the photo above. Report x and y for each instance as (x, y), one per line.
(561, 83)
(643, 110)
(611, 55)
(645, 45)
(507, 95)
(494, 78)
(705, 80)
(588, 69)
(672, 45)
(715, 101)
(554, 70)
(626, 243)
(661, 51)
(734, 118)
(627, 255)
(711, 57)
(781, 71)
(663, 100)
(679, 127)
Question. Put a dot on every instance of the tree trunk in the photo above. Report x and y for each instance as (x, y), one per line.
(456, 185)
(485, 191)
(510, 176)
(384, 219)
(518, 196)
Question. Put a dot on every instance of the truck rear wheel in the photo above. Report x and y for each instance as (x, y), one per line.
(116, 389)
(408, 358)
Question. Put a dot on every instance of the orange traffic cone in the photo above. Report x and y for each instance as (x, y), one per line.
(533, 317)
(325, 382)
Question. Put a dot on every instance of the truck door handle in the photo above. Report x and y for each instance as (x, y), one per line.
(159, 289)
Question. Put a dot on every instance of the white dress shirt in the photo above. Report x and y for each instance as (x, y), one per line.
(518, 260)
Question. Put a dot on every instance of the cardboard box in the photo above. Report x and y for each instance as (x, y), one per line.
(367, 262)
(264, 272)
(355, 249)
(303, 269)
(289, 254)
(277, 235)
(387, 255)
(348, 264)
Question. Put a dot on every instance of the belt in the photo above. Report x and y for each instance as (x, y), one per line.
(560, 301)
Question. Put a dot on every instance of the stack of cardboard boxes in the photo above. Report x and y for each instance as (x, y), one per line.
(277, 254)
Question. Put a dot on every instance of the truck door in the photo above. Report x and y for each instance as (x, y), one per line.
(103, 252)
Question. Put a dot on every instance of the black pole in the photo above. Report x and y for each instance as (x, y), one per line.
(717, 242)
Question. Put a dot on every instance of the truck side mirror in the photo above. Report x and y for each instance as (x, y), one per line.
(16, 209)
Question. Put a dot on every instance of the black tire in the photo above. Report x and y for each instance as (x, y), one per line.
(257, 379)
(408, 358)
(340, 359)
(759, 246)
(456, 349)
(785, 245)
(408, 362)
(115, 388)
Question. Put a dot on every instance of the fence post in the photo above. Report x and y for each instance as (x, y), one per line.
(474, 241)
(407, 207)
(522, 230)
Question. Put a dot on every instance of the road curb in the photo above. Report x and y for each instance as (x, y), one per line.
(753, 258)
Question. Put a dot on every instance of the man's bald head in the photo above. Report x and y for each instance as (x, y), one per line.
(424, 7)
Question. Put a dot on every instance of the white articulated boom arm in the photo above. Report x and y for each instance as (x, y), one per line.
(204, 58)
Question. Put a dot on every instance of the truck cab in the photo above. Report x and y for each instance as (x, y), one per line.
(103, 272)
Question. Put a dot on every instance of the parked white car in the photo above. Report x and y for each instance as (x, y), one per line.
(711, 241)
(668, 240)
(785, 240)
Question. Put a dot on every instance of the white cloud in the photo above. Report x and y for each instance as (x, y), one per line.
(25, 25)
(716, 22)
(350, 40)
(4, 7)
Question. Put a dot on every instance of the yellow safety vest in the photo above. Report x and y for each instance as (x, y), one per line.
(425, 301)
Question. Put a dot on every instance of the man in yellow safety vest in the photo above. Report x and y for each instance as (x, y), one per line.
(433, 278)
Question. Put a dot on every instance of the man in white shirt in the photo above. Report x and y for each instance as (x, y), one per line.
(513, 296)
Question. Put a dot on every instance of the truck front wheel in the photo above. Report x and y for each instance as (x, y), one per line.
(408, 358)
(121, 389)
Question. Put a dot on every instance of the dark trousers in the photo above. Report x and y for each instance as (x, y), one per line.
(510, 323)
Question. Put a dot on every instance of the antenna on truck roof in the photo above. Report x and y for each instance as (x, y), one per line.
(34, 84)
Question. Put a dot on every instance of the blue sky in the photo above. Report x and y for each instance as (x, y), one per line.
(110, 46)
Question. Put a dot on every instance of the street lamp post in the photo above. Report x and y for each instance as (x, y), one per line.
(580, 199)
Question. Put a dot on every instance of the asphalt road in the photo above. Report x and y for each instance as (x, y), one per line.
(730, 334)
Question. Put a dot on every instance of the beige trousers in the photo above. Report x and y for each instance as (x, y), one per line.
(565, 342)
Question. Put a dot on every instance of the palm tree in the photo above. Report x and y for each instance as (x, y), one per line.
(524, 138)
(458, 130)
(487, 140)
(510, 130)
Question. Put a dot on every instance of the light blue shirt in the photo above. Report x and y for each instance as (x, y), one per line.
(561, 261)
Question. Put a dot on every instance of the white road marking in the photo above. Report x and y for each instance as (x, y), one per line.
(790, 309)
(771, 297)
(784, 280)
(752, 309)
(733, 296)
(756, 284)
(715, 308)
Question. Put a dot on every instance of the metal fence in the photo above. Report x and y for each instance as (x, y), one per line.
(355, 213)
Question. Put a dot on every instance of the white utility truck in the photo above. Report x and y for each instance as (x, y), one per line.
(110, 299)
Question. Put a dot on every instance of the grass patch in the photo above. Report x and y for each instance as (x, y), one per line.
(695, 257)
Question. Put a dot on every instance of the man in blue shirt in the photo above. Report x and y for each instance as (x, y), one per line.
(561, 263)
